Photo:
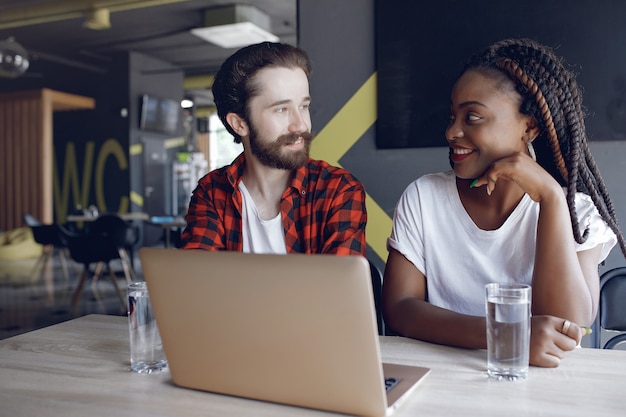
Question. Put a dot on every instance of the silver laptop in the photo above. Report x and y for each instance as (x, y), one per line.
(292, 329)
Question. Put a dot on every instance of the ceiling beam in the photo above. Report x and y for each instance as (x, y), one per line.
(193, 82)
(52, 11)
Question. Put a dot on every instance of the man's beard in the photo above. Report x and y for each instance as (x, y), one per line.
(274, 156)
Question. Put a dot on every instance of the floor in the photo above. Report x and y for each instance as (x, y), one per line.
(31, 299)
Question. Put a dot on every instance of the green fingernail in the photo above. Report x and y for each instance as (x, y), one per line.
(473, 183)
(587, 329)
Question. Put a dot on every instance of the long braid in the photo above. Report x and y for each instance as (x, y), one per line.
(571, 175)
(550, 93)
(514, 69)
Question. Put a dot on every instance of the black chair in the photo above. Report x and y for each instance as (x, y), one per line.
(612, 308)
(92, 248)
(47, 235)
(124, 236)
(377, 287)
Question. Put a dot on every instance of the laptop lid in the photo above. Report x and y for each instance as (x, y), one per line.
(294, 329)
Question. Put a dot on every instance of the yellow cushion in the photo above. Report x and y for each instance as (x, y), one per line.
(19, 244)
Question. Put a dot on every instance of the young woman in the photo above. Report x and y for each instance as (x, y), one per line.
(524, 203)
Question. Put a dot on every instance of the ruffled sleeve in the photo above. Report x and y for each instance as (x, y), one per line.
(599, 232)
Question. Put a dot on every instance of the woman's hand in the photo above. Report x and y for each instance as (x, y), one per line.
(550, 338)
(523, 171)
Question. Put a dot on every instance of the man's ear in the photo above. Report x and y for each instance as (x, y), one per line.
(238, 124)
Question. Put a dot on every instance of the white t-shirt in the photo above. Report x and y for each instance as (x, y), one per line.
(433, 231)
(260, 236)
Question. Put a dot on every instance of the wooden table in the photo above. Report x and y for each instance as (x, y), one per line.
(168, 224)
(81, 368)
(125, 216)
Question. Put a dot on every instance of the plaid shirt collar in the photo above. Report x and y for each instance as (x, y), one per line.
(299, 180)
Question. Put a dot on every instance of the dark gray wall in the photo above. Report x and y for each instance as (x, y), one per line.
(610, 158)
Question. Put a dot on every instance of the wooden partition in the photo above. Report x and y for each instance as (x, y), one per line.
(26, 152)
(202, 143)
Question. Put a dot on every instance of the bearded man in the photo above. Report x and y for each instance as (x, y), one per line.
(273, 198)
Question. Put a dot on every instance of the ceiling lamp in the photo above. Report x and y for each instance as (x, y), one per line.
(235, 26)
(97, 19)
(13, 59)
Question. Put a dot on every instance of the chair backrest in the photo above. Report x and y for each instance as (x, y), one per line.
(44, 234)
(377, 287)
(31, 220)
(612, 307)
(116, 228)
(87, 248)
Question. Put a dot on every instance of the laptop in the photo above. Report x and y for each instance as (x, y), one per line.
(293, 329)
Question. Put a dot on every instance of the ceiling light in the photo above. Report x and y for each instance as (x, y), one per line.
(235, 26)
(97, 19)
(13, 59)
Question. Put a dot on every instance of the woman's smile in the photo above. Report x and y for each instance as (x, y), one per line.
(458, 154)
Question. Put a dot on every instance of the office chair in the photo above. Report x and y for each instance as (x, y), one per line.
(612, 308)
(93, 248)
(47, 235)
(377, 287)
(124, 236)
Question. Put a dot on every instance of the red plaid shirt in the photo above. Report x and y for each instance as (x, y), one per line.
(323, 211)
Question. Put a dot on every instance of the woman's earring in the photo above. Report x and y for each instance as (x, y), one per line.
(531, 150)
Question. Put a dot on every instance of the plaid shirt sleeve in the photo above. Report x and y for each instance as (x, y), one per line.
(344, 230)
(212, 224)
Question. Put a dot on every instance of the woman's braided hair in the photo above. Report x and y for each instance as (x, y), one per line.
(551, 95)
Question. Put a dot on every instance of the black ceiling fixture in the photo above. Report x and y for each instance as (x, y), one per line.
(13, 59)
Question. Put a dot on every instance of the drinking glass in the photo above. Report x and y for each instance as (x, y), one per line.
(508, 330)
(146, 350)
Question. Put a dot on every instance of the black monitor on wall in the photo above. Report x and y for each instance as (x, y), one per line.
(420, 52)
(159, 114)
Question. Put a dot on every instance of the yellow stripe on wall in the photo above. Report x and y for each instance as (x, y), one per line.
(136, 149)
(174, 142)
(335, 140)
(349, 124)
(136, 198)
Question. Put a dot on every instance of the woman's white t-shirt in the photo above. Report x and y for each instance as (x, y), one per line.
(433, 231)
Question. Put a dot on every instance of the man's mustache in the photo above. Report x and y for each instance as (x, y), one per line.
(290, 138)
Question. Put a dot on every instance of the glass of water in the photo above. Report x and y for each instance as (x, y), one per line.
(146, 349)
(508, 330)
